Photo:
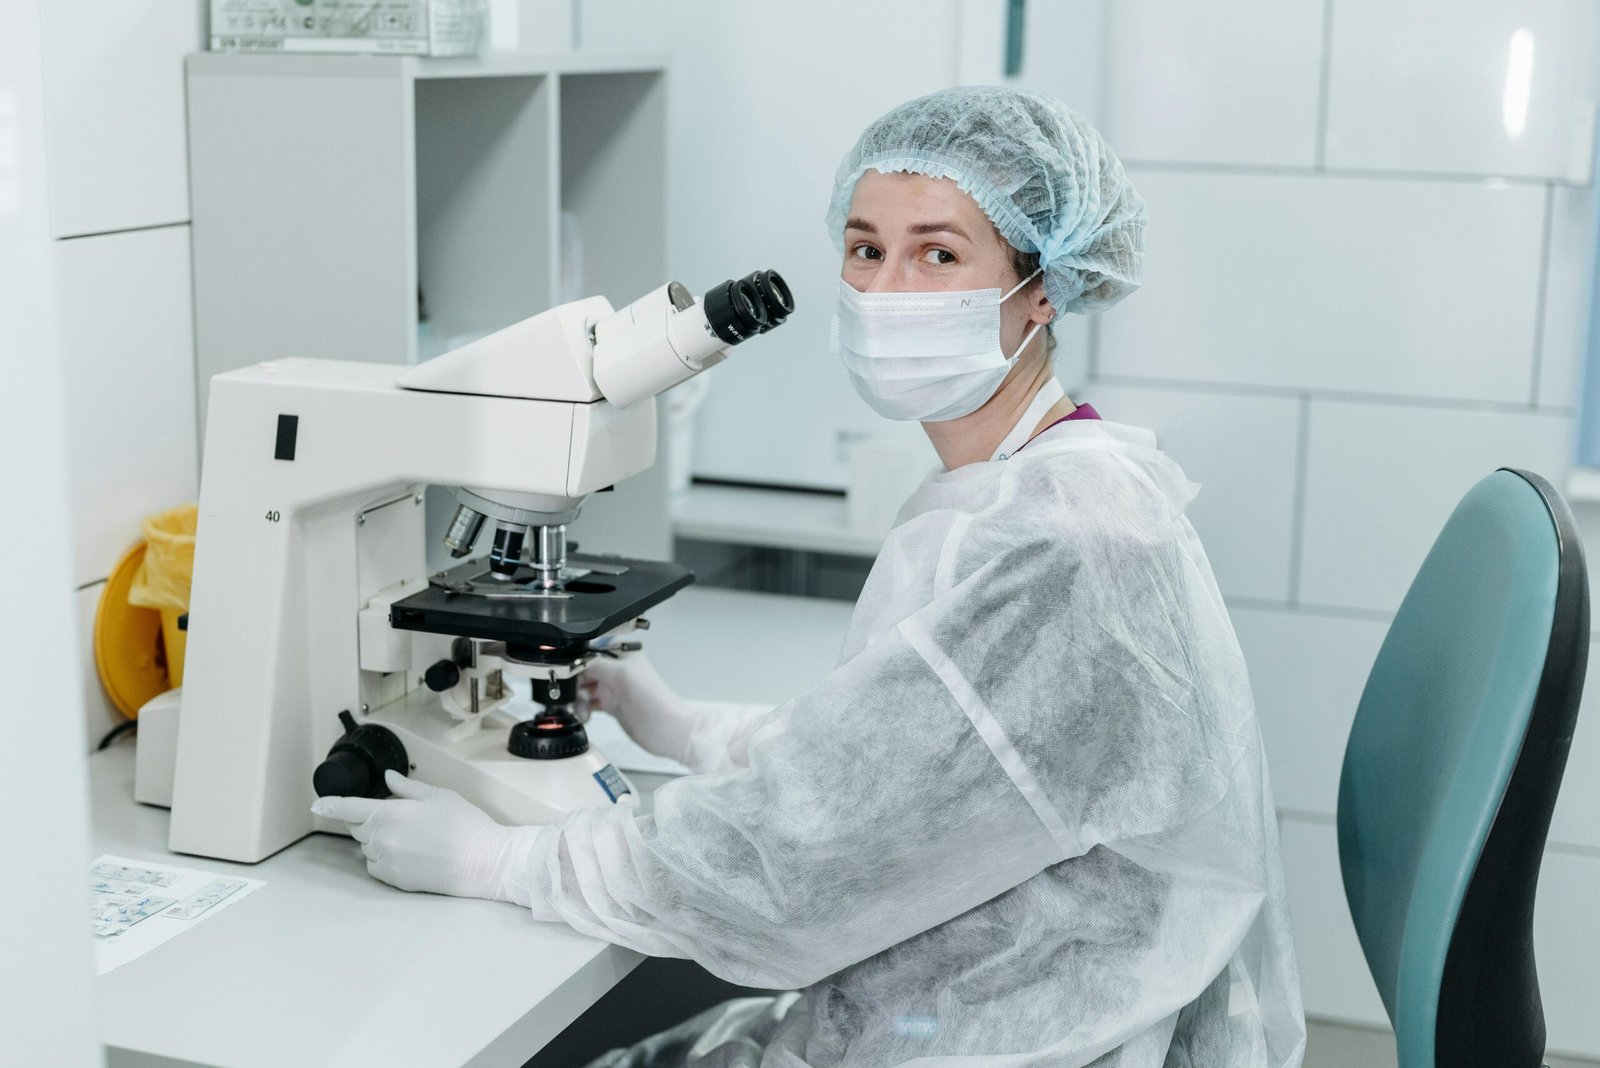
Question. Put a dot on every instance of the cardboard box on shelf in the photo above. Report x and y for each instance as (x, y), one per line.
(404, 27)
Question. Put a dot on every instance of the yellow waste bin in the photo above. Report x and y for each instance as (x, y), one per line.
(162, 581)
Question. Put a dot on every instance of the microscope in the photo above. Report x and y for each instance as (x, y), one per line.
(322, 654)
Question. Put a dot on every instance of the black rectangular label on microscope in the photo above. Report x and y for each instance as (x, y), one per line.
(288, 430)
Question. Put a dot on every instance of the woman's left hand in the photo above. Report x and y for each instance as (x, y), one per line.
(430, 839)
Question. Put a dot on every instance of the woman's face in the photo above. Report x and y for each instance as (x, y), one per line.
(910, 232)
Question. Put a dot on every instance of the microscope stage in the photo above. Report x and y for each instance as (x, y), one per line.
(598, 595)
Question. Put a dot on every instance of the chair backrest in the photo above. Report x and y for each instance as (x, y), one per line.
(1452, 770)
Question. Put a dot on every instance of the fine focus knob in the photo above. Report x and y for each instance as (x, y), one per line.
(549, 736)
(442, 676)
(357, 761)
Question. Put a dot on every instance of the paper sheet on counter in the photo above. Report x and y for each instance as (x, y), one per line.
(135, 905)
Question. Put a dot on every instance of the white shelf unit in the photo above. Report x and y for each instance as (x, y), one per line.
(328, 191)
(772, 518)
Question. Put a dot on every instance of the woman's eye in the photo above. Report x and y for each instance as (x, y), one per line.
(940, 256)
(867, 252)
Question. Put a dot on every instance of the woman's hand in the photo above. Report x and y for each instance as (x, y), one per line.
(628, 687)
(431, 839)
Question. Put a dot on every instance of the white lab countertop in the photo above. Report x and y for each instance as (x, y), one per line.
(326, 966)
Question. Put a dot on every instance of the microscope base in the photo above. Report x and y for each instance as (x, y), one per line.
(472, 760)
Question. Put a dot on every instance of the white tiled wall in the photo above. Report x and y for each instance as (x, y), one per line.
(1337, 985)
(1303, 281)
(114, 111)
(1307, 672)
(1577, 816)
(1334, 980)
(117, 149)
(1345, 233)
(1245, 510)
(1231, 81)
(1433, 86)
(1569, 257)
(1566, 940)
(98, 713)
(128, 343)
(1381, 479)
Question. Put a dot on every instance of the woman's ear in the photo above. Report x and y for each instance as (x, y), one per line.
(1043, 311)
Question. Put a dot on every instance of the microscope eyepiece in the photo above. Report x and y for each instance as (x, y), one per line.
(735, 310)
(667, 336)
(775, 297)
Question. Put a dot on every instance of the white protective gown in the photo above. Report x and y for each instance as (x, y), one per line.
(1025, 821)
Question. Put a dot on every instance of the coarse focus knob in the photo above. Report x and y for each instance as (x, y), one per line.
(442, 676)
(357, 761)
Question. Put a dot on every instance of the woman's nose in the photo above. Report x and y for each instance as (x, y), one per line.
(890, 277)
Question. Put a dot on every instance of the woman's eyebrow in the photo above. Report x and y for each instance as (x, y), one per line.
(938, 228)
(916, 228)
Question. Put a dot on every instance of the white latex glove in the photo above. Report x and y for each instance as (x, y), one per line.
(431, 839)
(629, 688)
(699, 737)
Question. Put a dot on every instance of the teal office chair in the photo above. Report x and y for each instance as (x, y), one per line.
(1452, 770)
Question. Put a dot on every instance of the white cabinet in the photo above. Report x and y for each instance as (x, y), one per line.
(1464, 86)
(127, 348)
(113, 94)
(338, 197)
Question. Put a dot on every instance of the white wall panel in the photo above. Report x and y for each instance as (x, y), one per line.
(98, 714)
(1566, 940)
(1430, 85)
(128, 352)
(1242, 450)
(1577, 816)
(1569, 280)
(1382, 286)
(115, 113)
(1382, 480)
(1307, 672)
(1234, 81)
(47, 995)
(762, 105)
(1334, 979)
(1334, 976)
(1063, 54)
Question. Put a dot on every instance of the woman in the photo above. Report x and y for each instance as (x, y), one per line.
(1026, 820)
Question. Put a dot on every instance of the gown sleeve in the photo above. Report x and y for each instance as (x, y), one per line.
(906, 788)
